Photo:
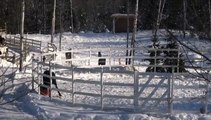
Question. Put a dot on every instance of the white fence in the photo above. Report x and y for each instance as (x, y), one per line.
(136, 91)
(15, 42)
(138, 102)
(113, 56)
(28, 45)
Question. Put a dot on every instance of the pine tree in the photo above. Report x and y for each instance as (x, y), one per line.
(169, 57)
(173, 57)
(155, 53)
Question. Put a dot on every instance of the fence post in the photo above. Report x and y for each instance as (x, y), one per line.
(178, 59)
(90, 52)
(43, 63)
(170, 91)
(101, 89)
(50, 69)
(54, 50)
(155, 65)
(71, 57)
(40, 45)
(39, 83)
(110, 58)
(206, 99)
(73, 91)
(206, 96)
(136, 96)
(133, 56)
(25, 50)
(32, 74)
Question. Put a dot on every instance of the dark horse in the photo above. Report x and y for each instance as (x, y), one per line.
(46, 81)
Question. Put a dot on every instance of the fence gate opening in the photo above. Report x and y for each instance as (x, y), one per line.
(154, 92)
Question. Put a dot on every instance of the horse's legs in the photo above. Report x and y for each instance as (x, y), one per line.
(57, 88)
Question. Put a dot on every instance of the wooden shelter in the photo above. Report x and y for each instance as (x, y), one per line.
(120, 22)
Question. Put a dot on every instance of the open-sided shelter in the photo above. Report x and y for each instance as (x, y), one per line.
(120, 22)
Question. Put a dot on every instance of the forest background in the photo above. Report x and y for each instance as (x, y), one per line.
(95, 15)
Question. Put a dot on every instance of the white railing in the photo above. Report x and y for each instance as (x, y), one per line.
(15, 42)
(102, 94)
(114, 57)
(139, 84)
(101, 70)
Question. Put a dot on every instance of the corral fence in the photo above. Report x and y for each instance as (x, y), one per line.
(113, 57)
(51, 47)
(134, 89)
(13, 42)
(30, 43)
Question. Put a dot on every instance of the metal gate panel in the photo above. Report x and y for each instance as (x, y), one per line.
(153, 92)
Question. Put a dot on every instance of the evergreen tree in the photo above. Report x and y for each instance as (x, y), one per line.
(167, 57)
(94, 15)
(173, 57)
(155, 52)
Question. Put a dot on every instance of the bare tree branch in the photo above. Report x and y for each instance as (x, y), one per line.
(186, 46)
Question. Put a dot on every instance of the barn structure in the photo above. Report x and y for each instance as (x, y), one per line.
(120, 22)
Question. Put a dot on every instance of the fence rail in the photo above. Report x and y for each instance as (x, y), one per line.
(113, 57)
(143, 87)
(102, 83)
(28, 45)
(31, 43)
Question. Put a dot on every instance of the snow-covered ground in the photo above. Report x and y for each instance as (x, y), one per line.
(30, 105)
